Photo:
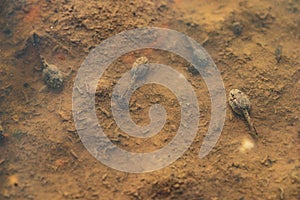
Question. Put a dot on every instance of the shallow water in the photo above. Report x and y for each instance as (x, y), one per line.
(42, 156)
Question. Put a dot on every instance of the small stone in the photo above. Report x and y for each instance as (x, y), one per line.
(237, 28)
(64, 115)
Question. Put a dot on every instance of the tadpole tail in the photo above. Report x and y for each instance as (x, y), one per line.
(253, 131)
(36, 43)
(35, 40)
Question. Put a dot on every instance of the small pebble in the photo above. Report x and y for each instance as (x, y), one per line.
(237, 28)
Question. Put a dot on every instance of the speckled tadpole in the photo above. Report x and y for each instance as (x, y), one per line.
(241, 105)
(52, 75)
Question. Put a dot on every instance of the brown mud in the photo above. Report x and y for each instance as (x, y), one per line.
(255, 45)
